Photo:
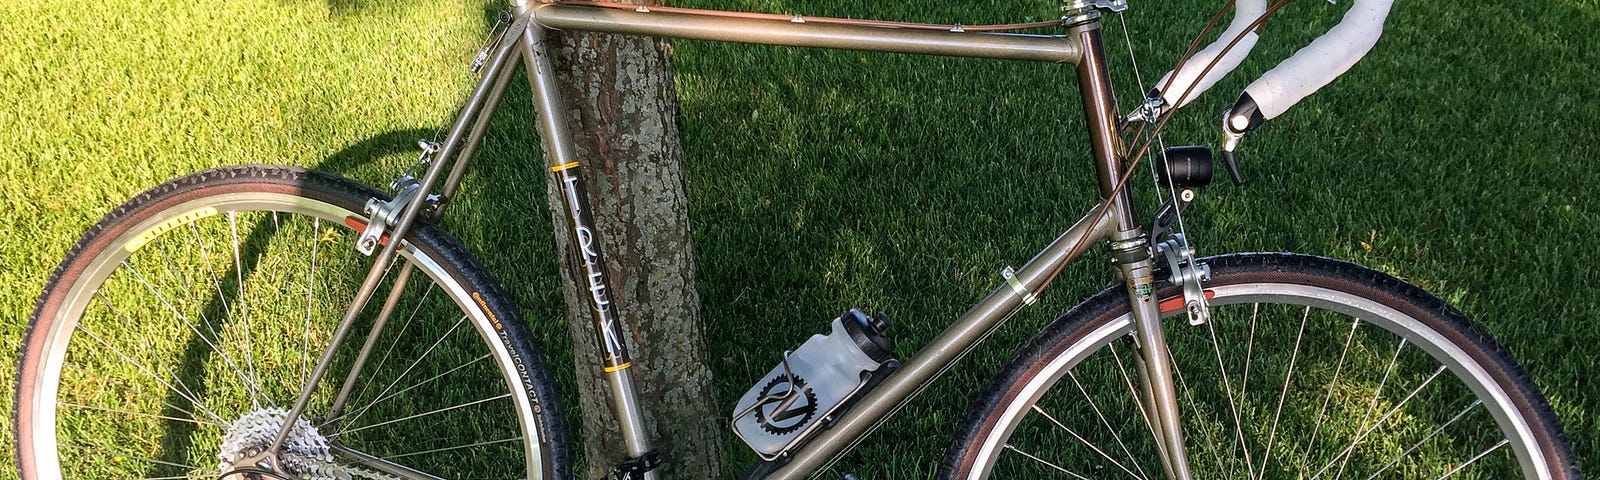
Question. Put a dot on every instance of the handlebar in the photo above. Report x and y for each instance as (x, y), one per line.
(1175, 83)
(1292, 80)
(1327, 57)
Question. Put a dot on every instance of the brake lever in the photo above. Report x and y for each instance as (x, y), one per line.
(1244, 117)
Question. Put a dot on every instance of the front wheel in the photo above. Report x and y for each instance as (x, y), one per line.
(1309, 368)
(173, 338)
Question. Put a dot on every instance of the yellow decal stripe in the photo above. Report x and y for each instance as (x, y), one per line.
(162, 228)
(565, 166)
(618, 367)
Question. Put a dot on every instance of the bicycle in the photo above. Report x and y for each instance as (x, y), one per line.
(144, 234)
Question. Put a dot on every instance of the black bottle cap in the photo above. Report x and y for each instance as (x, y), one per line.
(867, 333)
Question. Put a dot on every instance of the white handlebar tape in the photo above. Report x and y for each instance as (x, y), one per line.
(1245, 12)
(1327, 57)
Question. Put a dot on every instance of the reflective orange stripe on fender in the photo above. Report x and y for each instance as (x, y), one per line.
(361, 226)
(1175, 304)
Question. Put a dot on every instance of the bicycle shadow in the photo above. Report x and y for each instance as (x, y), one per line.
(178, 438)
(374, 160)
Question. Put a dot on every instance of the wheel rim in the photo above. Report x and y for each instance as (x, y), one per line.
(1240, 455)
(69, 378)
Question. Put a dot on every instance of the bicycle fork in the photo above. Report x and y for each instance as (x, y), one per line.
(1130, 251)
(1159, 400)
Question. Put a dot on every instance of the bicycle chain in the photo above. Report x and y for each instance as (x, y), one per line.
(339, 471)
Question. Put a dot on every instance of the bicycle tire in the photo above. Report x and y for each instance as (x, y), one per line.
(1043, 417)
(135, 365)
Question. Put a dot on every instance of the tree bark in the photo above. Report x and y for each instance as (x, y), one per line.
(623, 111)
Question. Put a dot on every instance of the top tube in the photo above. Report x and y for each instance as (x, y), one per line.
(796, 32)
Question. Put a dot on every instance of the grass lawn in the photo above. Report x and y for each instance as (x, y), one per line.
(1459, 156)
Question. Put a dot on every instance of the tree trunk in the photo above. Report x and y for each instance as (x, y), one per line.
(623, 111)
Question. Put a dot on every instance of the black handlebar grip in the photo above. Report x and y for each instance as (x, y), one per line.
(1245, 115)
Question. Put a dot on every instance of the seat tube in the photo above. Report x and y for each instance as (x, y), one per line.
(556, 137)
(1130, 249)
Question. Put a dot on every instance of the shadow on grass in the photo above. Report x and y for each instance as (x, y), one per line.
(178, 437)
(177, 440)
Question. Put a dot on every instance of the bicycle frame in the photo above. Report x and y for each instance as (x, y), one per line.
(1112, 219)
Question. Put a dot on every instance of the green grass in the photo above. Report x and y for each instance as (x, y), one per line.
(1457, 156)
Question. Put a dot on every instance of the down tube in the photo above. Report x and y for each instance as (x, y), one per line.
(559, 152)
(949, 346)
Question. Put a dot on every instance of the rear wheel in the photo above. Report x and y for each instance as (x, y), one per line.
(1309, 368)
(175, 335)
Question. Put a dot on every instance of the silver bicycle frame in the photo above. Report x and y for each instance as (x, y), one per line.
(1112, 219)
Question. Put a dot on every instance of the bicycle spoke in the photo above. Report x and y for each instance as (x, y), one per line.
(391, 300)
(383, 360)
(1244, 387)
(1134, 393)
(419, 360)
(1085, 442)
(1368, 430)
(311, 289)
(1475, 458)
(1227, 387)
(188, 288)
(374, 403)
(126, 390)
(1249, 351)
(249, 382)
(1189, 394)
(216, 283)
(140, 414)
(1040, 460)
(458, 447)
(419, 415)
(1284, 393)
(1107, 423)
(244, 310)
(185, 393)
(1337, 369)
(1373, 405)
(1386, 466)
(132, 457)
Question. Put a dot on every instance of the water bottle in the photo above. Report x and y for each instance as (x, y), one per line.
(814, 384)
